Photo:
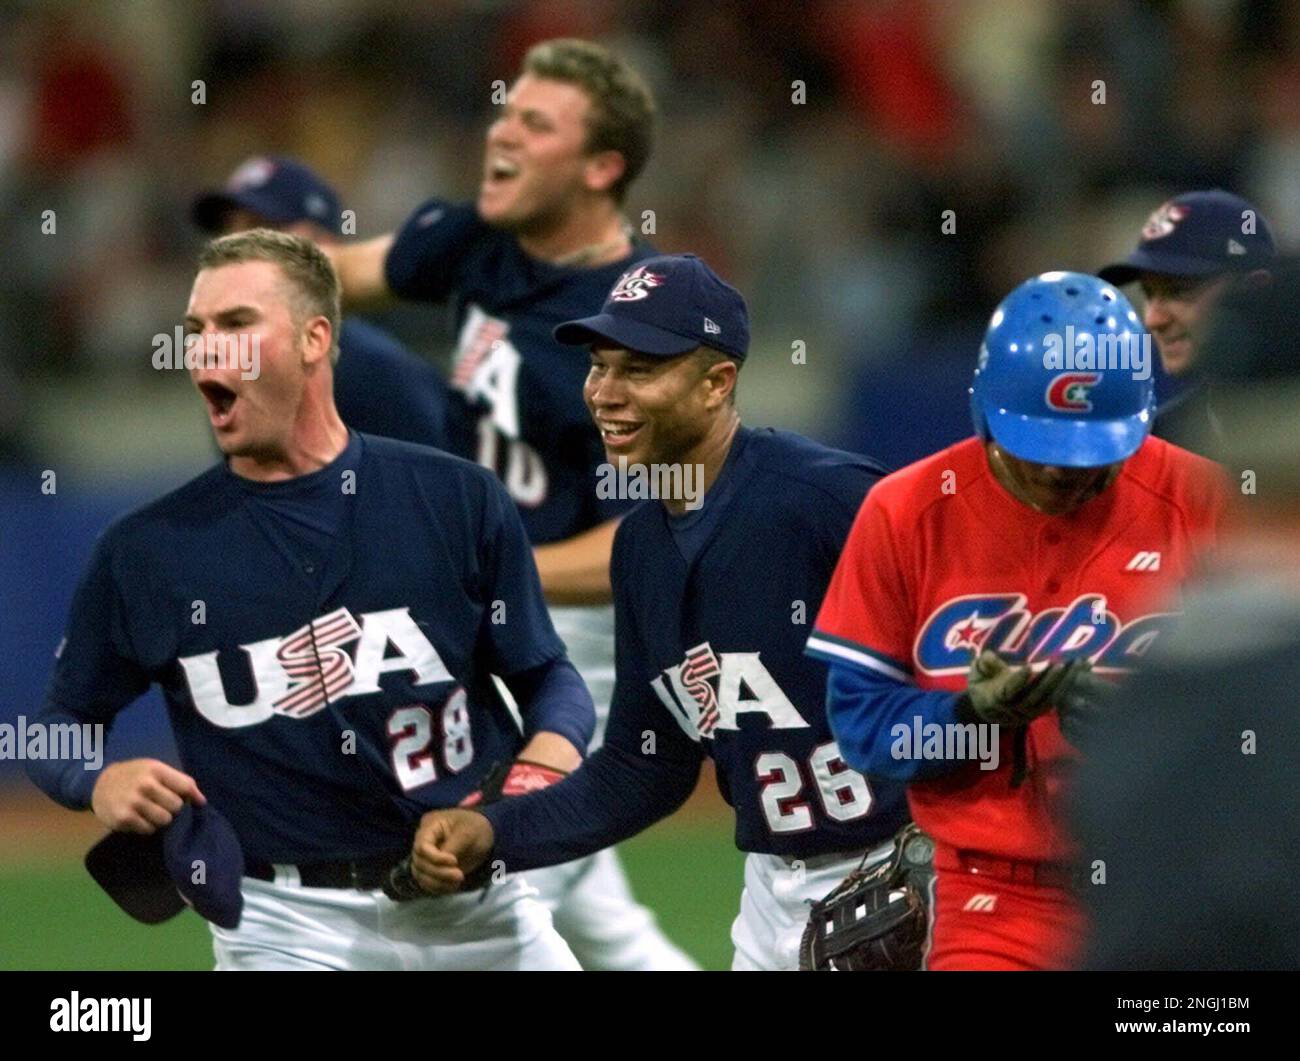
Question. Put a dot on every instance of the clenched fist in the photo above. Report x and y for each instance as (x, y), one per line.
(142, 795)
(449, 846)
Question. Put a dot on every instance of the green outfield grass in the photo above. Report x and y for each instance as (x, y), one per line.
(54, 916)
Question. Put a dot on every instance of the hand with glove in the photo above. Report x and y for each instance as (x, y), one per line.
(1013, 696)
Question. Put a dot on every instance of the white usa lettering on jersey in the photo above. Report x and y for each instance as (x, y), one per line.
(700, 710)
(298, 674)
(486, 368)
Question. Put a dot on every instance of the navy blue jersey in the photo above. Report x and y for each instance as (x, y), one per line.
(710, 661)
(329, 684)
(381, 388)
(515, 401)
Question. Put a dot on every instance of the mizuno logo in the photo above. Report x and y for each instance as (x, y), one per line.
(1144, 561)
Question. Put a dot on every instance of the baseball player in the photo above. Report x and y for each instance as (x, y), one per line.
(994, 581)
(324, 611)
(1190, 251)
(380, 387)
(544, 242)
(711, 595)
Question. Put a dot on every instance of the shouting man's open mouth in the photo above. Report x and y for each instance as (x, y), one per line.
(221, 403)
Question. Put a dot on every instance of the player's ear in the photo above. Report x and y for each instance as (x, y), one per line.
(317, 338)
(721, 379)
(602, 170)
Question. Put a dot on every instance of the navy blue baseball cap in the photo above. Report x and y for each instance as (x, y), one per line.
(194, 861)
(1198, 234)
(279, 189)
(667, 306)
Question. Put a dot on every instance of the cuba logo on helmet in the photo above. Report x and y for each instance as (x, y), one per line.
(1068, 392)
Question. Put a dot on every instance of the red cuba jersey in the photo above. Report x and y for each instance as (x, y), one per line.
(943, 562)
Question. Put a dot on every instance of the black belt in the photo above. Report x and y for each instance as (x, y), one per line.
(363, 874)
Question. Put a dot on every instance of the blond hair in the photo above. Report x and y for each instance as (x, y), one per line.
(314, 284)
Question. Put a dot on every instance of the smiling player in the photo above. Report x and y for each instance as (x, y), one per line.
(1191, 250)
(710, 647)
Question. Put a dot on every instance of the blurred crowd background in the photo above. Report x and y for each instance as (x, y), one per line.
(827, 214)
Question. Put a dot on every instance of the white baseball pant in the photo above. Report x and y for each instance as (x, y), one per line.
(590, 899)
(287, 926)
(774, 905)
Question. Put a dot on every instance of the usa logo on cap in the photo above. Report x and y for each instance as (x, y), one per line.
(1163, 221)
(636, 285)
(252, 174)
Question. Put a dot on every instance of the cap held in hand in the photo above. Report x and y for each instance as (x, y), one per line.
(194, 861)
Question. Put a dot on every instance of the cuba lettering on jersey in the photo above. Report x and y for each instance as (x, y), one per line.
(931, 575)
(324, 708)
(1004, 623)
(710, 654)
(515, 403)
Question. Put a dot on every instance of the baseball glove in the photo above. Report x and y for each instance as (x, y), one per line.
(876, 919)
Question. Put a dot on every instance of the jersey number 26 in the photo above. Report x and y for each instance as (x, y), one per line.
(843, 792)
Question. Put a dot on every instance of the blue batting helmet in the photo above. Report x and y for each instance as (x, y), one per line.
(1064, 374)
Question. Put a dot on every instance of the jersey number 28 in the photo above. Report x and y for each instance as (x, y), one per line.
(411, 730)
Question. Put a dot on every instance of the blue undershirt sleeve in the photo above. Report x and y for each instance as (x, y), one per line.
(95, 677)
(875, 717)
(554, 698)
